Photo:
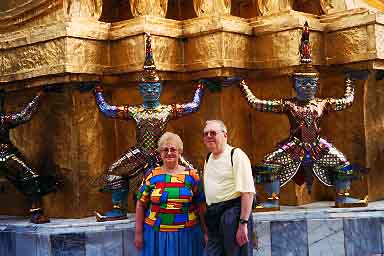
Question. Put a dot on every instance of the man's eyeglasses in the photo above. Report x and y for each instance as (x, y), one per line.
(171, 150)
(211, 133)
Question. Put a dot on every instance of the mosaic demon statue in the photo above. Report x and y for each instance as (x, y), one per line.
(13, 164)
(305, 153)
(151, 119)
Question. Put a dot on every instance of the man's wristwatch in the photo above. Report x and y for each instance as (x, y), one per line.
(243, 221)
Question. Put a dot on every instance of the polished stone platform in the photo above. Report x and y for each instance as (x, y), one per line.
(314, 229)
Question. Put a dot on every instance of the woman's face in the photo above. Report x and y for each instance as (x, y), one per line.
(170, 154)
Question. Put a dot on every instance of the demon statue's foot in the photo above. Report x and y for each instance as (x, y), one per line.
(272, 204)
(267, 207)
(120, 205)
(38, 217)
(115, 214)
(345, 201)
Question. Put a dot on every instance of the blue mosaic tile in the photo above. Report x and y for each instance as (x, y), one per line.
(326, 237)
(262, 233)
(70, 244)
(363, 237)
(289, 238)
(7, 243)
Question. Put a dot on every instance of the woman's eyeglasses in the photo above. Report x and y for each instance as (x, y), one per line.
(167, 150)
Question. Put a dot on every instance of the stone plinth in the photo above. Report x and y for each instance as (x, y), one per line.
(317, 228)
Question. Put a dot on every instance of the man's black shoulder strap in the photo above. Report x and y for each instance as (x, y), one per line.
(232, 151)
(208, 155)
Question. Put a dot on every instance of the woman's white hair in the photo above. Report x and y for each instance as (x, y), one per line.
(170, 138)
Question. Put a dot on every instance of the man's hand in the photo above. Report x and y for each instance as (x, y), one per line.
(242, 234)
(139, 241)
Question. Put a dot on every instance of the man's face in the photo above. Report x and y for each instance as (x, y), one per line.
(150, 91)
(306, 87)
(214, 137)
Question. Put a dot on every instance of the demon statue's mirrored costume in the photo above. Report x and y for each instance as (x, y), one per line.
(151, 119)
(305, 153)
(14, 166)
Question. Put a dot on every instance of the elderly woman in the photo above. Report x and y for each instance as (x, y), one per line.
(170, 203)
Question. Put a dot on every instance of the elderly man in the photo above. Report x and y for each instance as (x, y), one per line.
(229, 191)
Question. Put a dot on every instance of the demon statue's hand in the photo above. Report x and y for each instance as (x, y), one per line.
(232, 80)
(357, 74)
(210, 84)
(215, 85)
(87, 86)
(53, 88)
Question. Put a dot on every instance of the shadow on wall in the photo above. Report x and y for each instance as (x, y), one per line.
(119, 10)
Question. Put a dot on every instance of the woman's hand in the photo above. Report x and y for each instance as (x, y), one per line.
(139, 240)
(205, 239)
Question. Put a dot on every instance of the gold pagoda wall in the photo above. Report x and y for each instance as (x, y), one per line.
(68, 43)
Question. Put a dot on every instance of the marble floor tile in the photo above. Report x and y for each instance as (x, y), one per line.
(289, 238)
(326, 237)
(70, 244)
(107, 243)
(7, 243)
(363, 237)
(262, 233)
(129, 247)
(43, 244)
(382, 231)
(26, 244)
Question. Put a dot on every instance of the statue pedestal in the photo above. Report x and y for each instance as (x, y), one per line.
(317, 229)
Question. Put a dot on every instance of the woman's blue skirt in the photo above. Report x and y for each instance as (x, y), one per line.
(186, 242)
